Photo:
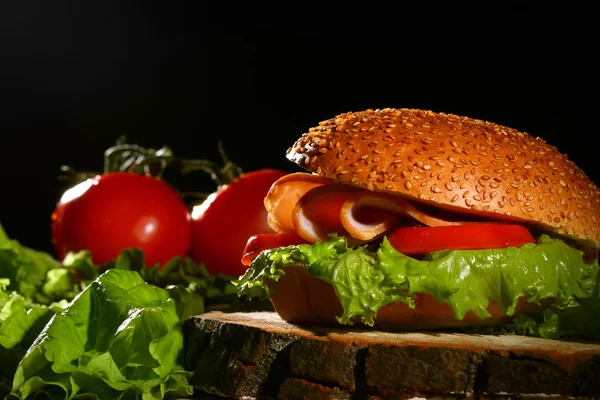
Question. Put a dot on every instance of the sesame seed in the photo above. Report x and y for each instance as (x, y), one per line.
(494, 159)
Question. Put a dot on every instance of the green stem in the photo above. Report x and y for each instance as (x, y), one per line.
(221, 175)
(133, 158)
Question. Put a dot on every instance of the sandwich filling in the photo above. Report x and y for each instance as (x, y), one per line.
(349, 238)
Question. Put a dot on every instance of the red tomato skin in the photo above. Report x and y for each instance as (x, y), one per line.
(222, 224)
(116, 211)
(475, 236)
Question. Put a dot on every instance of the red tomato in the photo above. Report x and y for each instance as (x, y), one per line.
(268, 241)
(112, 212)
(476, 236)
(222, 224)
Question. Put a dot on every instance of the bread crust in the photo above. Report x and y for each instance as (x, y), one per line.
(298, 297)
(457, 163)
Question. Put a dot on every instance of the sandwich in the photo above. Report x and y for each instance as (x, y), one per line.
(407, 219)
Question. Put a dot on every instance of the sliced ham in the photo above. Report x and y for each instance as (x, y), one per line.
(283, 196)
(317, 213)
(367, 215)
(314, 206)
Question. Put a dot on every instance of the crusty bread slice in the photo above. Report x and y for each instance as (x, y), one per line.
(258, 355)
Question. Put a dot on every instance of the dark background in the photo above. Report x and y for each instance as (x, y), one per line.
(76, 75)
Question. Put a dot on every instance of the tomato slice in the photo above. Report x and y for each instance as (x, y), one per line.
(416, 241)
(421, 240)
(267, 241)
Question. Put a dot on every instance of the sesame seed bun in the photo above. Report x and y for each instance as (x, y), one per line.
(457, 163)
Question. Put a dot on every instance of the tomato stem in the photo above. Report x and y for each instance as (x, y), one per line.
(220, 175)
(70, 175)
(133, 158)
(125, 157)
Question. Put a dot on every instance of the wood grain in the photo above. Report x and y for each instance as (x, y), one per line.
(258, 355)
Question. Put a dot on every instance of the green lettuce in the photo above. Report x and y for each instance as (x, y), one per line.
(21, 321)
(120, 338)
(79, 330)
(366, 279)
(189, 283)
(35, 275)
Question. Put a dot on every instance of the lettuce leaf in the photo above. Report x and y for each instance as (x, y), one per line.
(365, 280)
(120, 338)
(35, 275)
(20, 323)
(189, 283)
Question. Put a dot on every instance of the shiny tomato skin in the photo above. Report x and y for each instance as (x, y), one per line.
(222, 224)
(268, 241)
(414, 241)
(112, 212)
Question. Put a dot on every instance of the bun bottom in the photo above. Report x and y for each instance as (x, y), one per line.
(300, 298)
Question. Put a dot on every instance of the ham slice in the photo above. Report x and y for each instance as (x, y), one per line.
(387, 208)
(314, 206)
(283, 196)
(317, 212)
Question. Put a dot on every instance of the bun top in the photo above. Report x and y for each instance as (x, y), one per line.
(457, 163)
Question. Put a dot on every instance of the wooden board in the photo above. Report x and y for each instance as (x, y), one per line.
(258, 355)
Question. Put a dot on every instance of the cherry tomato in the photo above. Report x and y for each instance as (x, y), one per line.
(267, 241)
(476, 236)
(222, 224)
(115, 211)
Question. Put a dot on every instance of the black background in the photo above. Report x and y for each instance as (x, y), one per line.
(76, 75)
